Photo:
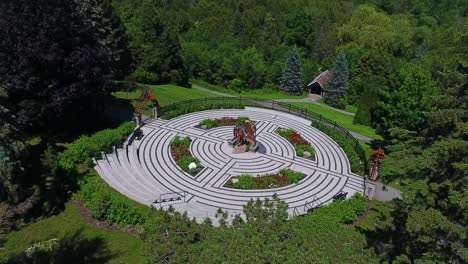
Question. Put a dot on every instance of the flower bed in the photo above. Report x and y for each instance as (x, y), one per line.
(300, 144)
(181, 154)
(282, 178)
(223, 121)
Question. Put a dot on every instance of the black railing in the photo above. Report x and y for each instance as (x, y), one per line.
(206, 103)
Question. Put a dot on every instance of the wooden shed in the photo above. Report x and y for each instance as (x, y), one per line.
(318, 84)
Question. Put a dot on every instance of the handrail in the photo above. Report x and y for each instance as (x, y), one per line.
(274, 105)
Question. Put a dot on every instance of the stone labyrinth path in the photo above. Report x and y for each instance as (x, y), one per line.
(146, 172)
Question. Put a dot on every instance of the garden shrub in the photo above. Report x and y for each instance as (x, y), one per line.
(196, 107)
(105, 203)
(224, 121)
(245, 182)
(333, 215)
(348, 146)
(291, 175)
(181, 154)
(275, 180)
(299, 143)
(86, 147)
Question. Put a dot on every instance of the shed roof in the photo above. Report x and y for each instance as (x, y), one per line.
(322, 79)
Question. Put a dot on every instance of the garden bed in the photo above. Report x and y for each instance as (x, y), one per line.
(303, 147)
(248, 182)
(181, 154)
(223, 121)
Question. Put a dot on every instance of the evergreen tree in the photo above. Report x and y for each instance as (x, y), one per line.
(291, 80)
(51, 63)
(110, 33)
(337, 87)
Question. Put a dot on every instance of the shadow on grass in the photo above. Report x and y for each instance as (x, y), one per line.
(73, 248)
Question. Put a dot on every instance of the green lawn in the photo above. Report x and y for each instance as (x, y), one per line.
(166, 94)
(341, 119)
(125, 247)
(348, 108)
(267, 94)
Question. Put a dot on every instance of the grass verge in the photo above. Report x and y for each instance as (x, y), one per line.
(124, 247)
(267, 94)
(341, 119)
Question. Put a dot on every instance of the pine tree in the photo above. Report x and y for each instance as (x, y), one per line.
(337, 88)
(51, 62)
(291, 80)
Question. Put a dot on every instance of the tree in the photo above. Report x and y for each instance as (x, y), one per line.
(51, 63)
(110, 32)
(337, 88)
(291, 80)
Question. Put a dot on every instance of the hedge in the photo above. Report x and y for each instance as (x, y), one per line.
(194, 107)
(86, 147)
(105, 203)
(347, 145)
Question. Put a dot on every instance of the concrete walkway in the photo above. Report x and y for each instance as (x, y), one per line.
(146, 171)
(311, 99)
(385, 195)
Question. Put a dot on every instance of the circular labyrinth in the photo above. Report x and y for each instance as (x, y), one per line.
(146, 172)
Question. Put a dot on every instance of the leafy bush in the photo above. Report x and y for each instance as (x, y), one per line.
(224, 121)
(348, 146)
(86, 147)
(105, 203)
(143, 76)
(209, 123)
(181, 154)
(181, 141)
(196, 107)
(333, 215)
(286, 132)
(245, 182)
(275, 180)
(299, 143)
(291, 175)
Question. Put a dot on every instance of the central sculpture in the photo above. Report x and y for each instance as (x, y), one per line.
(244, 138)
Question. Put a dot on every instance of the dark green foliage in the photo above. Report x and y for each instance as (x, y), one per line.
(366, 105)
(348, 146)
(337, 88)
(224, 121)
(265, 235)
(111, 34)
(275, 180)
(154, 43)
(185, 109)
(105, 203)
(87, 147)
(291, 80)
(13, 159)
(52, 64)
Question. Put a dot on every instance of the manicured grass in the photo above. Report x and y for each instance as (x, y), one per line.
(166, 94)
(267, 94)
(348, 108)
(124, 247)
(351, 109)
(341, 119)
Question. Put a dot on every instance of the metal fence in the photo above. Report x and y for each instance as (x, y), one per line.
(192, 105)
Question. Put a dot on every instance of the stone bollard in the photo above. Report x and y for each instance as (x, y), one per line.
(155, 112)
(138, 120)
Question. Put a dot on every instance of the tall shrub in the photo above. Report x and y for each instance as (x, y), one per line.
(291, 80)
(337, 87)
